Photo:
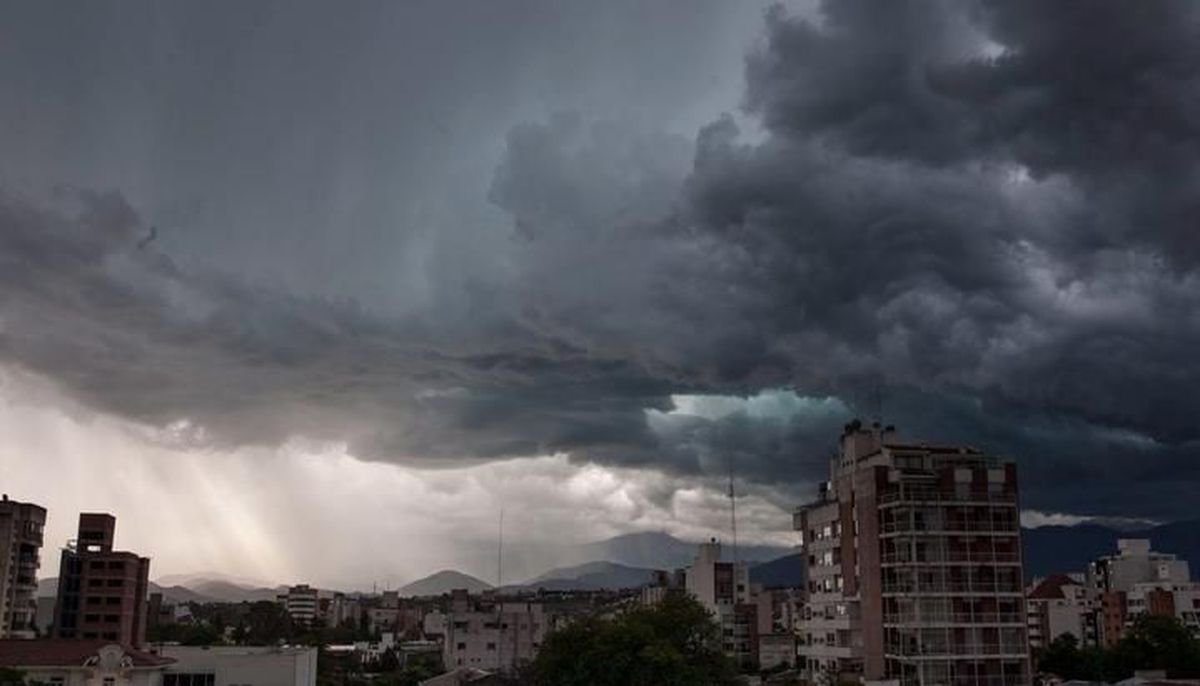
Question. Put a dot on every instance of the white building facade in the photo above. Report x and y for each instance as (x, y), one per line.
(498, 635)
(239, 666)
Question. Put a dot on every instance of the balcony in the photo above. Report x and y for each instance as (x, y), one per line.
(947, 587)
(1013, 650)
(936, 497)
(986, 680)
(913, 618)
(906, 557)
(951, 527)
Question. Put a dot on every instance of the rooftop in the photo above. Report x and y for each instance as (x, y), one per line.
(59, 652)
(1051, 587)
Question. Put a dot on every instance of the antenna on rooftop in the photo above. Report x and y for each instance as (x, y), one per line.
(877, 402)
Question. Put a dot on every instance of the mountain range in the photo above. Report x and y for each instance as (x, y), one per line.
(198, 590)
(630, 560)
(443, 582)
(1050, 549)
(659, 550)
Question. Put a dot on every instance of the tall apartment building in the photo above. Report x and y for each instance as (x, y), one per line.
(21, 527)
(913, 554)
(723, 588)
(101, 591)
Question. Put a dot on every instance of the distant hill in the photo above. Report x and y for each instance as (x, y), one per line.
(1050, 549)
(227, 592)
(444, 582)
(660, 550)
(48, 588)
(194, 579)
(783, 572)
(591, 576)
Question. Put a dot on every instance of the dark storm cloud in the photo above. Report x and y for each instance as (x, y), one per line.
(967, 202)
(985, 209)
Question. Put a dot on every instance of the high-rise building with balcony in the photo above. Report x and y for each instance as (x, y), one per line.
(20, 554)
(101, 591)
(913, 554)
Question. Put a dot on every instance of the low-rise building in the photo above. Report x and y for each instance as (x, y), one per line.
(83, 662)
(239, 666)
(723, 588)
(488, 634)
(776, 650)
(1060, 604)
(372, 652)
(1138, 581)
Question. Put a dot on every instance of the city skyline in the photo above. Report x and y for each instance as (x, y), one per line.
(318, 283)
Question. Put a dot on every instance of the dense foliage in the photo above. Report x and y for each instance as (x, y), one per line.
(673, 643)
(1154, 642)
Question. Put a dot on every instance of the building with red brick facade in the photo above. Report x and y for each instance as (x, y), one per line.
(101, 591)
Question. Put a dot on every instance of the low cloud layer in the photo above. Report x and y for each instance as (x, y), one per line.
(982, 214)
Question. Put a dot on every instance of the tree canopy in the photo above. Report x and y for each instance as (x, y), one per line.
(1154, 642)
(673, 643)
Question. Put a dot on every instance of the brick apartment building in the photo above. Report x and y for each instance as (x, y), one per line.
(914, 566)
(101, 591)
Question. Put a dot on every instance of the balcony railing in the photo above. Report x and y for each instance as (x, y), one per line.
(951, 649)
(934, 496)
(954, 618)
(947, 586)
(951, 527)
(986, 556)
(990, 680)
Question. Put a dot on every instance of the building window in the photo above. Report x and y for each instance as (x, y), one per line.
(491, 646)
(187, 679)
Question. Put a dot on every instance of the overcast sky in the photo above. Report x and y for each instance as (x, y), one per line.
(309, 291)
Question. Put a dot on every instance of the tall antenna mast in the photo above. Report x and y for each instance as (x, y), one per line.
(500, 554)
(499, 603)
(733, 511)
(877, 402)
